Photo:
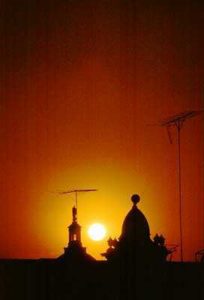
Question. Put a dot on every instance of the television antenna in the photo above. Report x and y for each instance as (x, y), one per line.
(76, 193)
(178, 121)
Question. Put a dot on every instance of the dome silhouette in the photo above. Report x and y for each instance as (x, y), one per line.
(134, 245)
(135, 227)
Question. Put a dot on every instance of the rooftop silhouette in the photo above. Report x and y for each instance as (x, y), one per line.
(134, 243)
(136, 268)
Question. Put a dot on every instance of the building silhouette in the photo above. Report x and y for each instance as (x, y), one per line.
(135, 242)
(74, 250)
(139, 259)
(135, 268)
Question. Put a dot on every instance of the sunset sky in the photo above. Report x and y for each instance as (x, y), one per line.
(83, 85)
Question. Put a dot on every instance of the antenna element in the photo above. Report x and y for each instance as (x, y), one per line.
(177, 121)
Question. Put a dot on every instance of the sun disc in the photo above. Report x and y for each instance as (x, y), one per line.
(97, 232)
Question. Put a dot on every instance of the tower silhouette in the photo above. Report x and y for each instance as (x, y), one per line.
(74, 229)
(75, 251)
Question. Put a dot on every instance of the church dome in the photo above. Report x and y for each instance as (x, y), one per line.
(135, 226)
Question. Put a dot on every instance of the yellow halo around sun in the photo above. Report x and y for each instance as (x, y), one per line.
(97, 231)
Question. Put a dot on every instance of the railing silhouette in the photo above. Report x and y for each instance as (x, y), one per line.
(171, 249)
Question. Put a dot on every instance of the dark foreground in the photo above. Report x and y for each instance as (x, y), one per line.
(51, 279)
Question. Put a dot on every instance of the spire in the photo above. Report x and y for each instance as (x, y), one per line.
(74, 214)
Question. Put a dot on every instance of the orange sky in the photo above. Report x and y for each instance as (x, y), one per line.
(80, 84)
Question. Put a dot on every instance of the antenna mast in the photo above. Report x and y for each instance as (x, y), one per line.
(76, 193)
(177, 121)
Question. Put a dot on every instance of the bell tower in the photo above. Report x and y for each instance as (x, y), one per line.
(74, 229)
(74, 250)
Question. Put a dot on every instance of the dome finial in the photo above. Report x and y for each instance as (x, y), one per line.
(135, 199)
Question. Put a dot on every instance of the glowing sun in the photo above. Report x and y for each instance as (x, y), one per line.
(97, 232)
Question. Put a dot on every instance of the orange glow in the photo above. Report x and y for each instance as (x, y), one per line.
(80, 88)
